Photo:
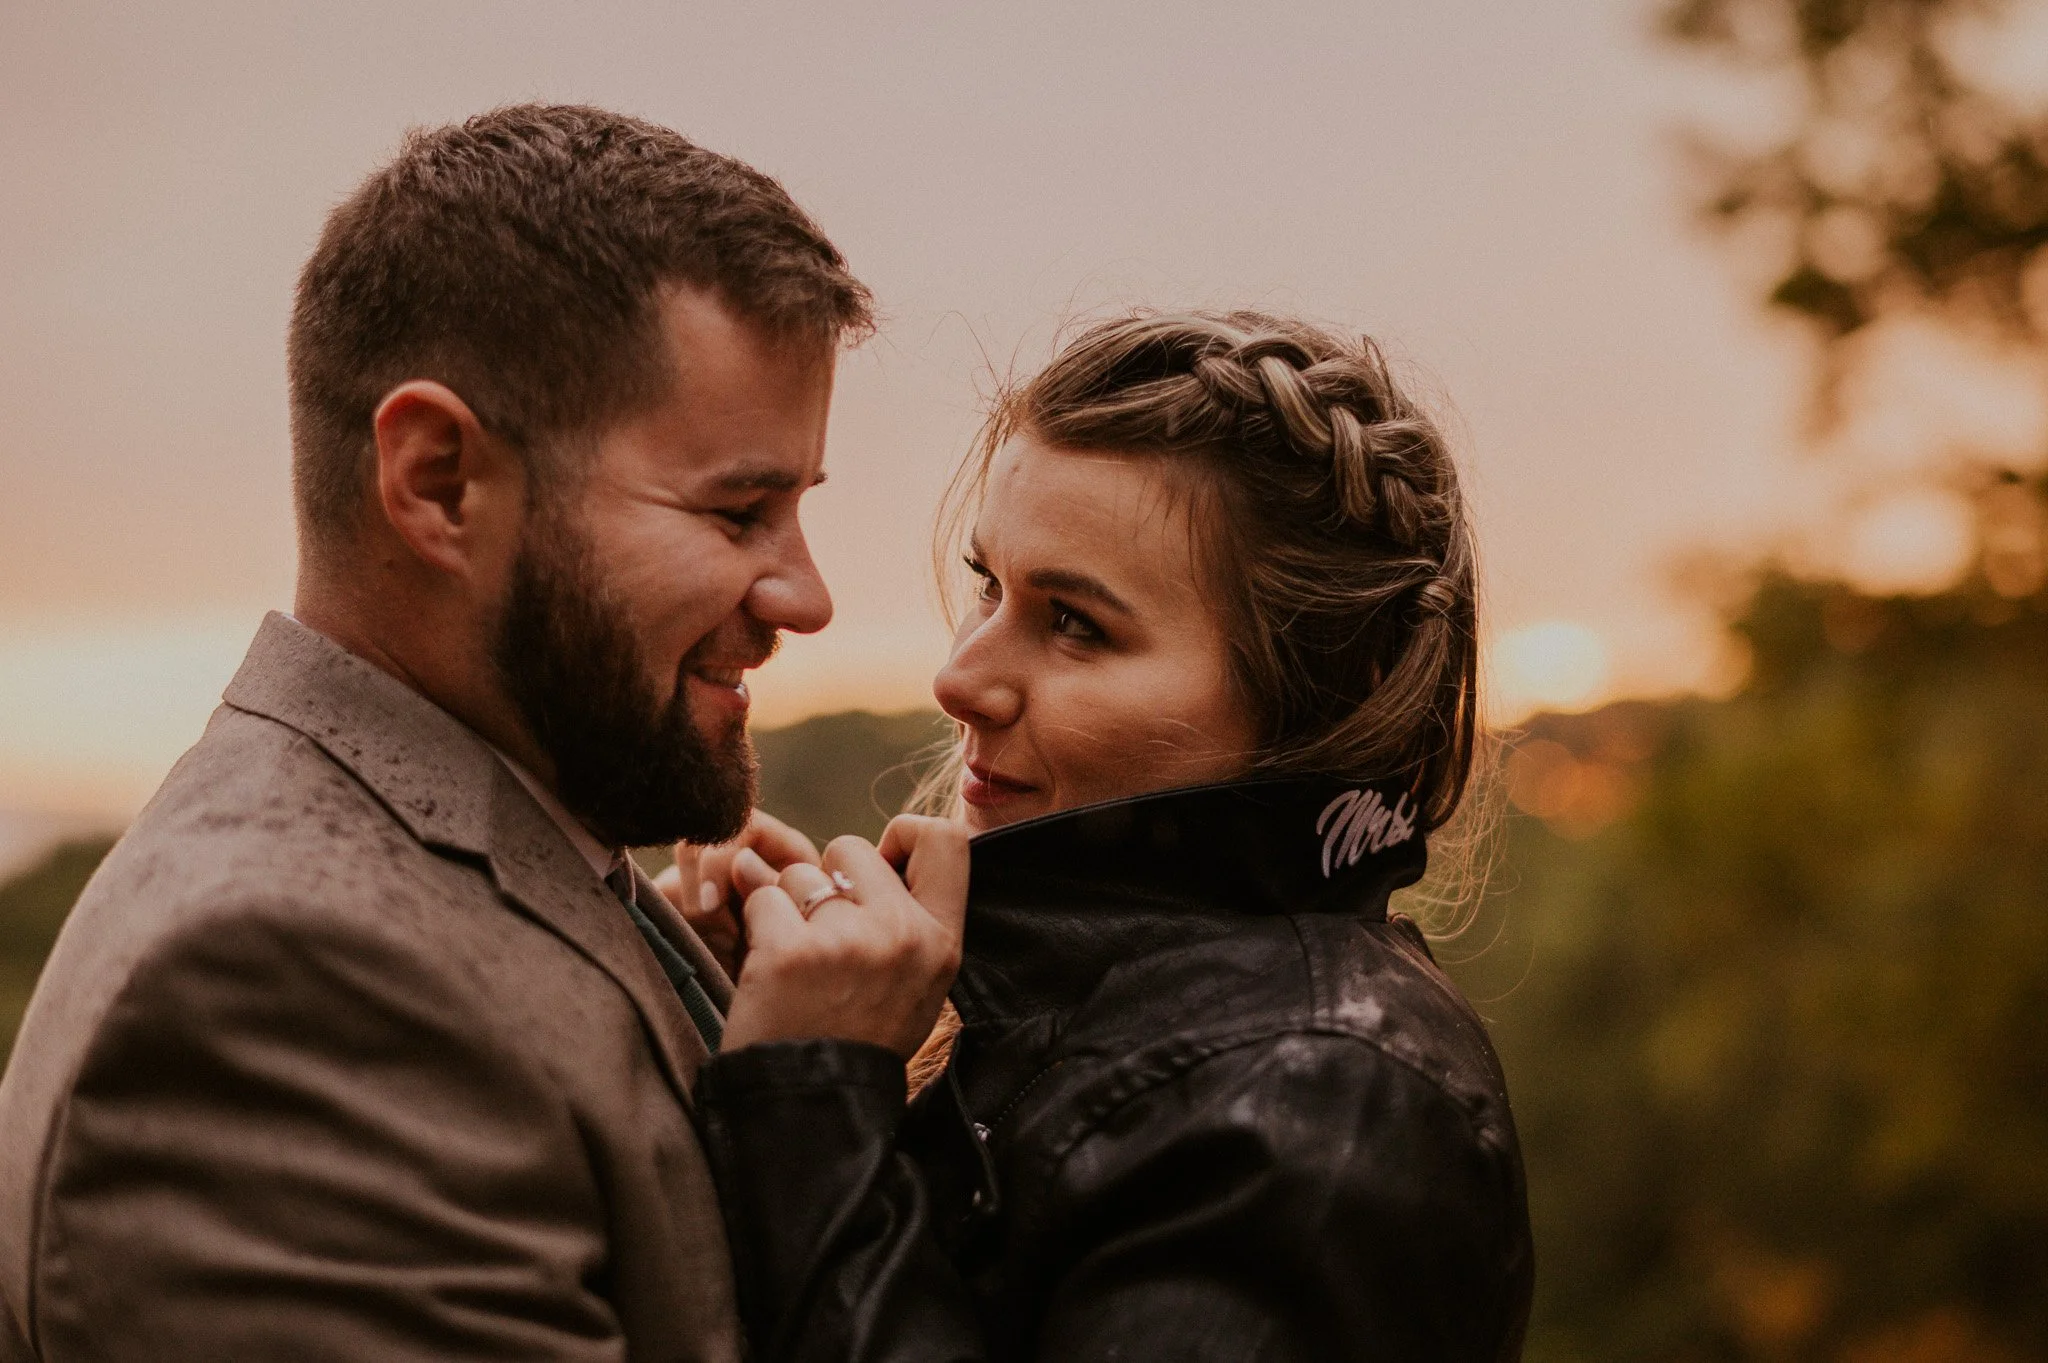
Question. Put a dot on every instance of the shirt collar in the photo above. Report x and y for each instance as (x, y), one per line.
(603, 860)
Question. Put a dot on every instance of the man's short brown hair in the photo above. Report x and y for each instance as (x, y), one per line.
(520, 259)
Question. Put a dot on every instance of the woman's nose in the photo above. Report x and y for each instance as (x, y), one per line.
(975, 686)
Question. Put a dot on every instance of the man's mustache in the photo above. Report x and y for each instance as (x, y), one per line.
(746, 646)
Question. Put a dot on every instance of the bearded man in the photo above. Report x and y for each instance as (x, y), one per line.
(368, 1041)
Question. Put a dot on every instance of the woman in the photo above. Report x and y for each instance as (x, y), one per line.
(1206, 1100)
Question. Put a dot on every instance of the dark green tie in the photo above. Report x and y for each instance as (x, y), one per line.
(696, 1002)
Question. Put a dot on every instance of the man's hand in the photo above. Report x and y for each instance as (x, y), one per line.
(870, 963)
(700, 884)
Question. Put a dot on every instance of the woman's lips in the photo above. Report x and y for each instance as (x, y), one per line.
(986, 789)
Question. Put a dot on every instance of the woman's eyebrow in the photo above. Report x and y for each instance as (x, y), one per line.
(1070, 583)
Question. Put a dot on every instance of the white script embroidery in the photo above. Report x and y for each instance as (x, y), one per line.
(1359, 821)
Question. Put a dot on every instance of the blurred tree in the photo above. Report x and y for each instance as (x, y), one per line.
(1770, 974)
(1773, 987)
(1905, 186)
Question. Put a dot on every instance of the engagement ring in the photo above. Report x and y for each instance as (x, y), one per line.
(841, 887)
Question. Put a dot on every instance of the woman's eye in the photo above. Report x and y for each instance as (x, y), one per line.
(986, 588)
(1072, 624)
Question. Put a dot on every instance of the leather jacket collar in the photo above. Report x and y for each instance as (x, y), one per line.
(1060, 900)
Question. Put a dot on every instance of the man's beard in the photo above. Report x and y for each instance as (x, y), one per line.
(629, 763)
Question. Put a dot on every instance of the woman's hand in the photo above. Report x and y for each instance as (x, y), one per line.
(702, 888)
(860, 947)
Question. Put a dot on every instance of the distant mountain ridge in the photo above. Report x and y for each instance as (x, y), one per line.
(849, 772)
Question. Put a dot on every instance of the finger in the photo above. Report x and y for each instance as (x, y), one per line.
(670, 883)
(803, 877)
(714, 868)
(901, 837)
(898, 839)
(709, 910)
(749, 872)
(776, 842)
(936, 861)
(808, 886)
(857, 860)
(677, 879)
(771, 919)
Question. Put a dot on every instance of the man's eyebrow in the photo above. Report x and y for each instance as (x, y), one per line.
(1070, 583)
(763, 480)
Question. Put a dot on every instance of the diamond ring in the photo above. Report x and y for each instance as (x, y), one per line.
(840, 887)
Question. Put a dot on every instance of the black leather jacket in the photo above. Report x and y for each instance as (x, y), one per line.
(1209, 1102)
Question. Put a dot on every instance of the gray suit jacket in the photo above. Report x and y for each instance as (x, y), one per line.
(346, 1054)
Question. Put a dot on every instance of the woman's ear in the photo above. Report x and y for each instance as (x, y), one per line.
(449, 489)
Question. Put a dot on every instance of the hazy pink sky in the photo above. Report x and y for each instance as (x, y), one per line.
(1488, 187)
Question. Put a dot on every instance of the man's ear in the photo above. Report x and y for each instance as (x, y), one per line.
(443, 482)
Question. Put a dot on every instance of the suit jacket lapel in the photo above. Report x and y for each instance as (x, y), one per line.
(445, 785)
(536, 867)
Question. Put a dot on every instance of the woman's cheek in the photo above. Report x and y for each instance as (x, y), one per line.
(1085, 742)
(1111, 741)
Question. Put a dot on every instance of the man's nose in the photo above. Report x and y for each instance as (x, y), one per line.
(977, 686)
(792, 595)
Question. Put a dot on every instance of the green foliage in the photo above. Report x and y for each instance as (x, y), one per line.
(1778, 1051)
(1902, 187)
(1775, 1030)
(32, 908)
(846, 773)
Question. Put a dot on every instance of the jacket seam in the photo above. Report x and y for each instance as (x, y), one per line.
(1308, 965)
(1228, 1043)
(1018, 1097)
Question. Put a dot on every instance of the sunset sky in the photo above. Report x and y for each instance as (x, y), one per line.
(1490, 188)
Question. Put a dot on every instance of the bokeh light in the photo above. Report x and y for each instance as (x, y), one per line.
(1912, 543)
(1550, 665)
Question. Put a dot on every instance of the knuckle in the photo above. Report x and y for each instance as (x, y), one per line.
(846, 845)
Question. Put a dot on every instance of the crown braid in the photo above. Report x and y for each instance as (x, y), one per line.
(1339, 540)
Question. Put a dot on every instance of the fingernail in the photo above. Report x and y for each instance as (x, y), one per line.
(708, 897)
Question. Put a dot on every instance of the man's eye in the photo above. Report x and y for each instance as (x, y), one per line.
(745, 518)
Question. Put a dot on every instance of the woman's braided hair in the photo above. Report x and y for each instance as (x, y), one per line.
(1336, 533)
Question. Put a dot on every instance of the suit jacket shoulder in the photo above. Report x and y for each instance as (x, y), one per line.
(344, 1053)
